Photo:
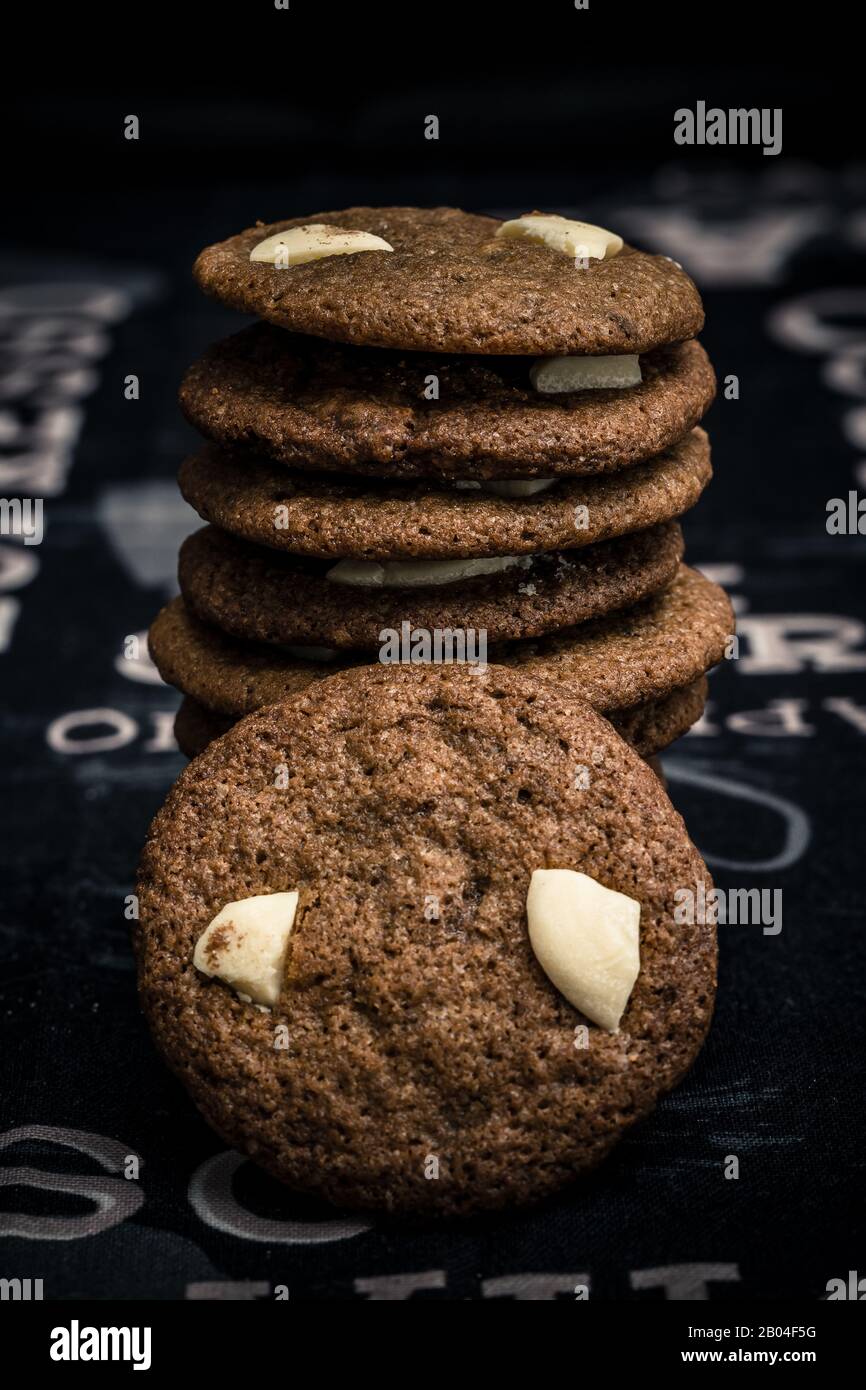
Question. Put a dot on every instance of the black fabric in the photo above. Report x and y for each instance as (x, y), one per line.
(773, 799)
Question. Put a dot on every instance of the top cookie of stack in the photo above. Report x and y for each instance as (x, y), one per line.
(511, 408)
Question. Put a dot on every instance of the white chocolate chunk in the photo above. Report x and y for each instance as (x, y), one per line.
(580, 240)
(246, 945)
(412, 574)
(587, 941)
(519, 487)
(507, 487)
(313, 653)
(313, 242)
(552, 374)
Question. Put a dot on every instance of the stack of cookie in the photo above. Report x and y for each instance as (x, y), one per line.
(449, 439)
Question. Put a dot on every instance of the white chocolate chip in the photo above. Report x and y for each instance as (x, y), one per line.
(507, 487)
(313, 242)
(246, 945)
(553, 374)
(313, 653)
(412, 574)
(587, 940)
(577, 239)
(519, 487)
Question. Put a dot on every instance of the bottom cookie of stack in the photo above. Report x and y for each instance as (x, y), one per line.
(430, 1013)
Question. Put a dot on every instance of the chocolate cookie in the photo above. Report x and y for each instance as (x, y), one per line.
(623, 660)
(641, 653)
(419, 1060)
(324, 406)
(228, 675)
(653, 726)
(267, 596)
(449, 285)
(649, 728)
(376, 520)
(656, 764)
(195, 726)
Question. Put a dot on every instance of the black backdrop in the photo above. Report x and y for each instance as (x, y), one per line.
(252, 113)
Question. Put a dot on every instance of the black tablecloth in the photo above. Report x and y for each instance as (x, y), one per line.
(110, 1184)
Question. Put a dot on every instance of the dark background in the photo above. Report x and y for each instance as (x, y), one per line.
(248, 113)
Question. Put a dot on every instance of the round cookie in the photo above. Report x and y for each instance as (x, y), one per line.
(450, 285)
(325, 406)
(413, 1034)
(656, 764)
(649, 728)
(195, 726)
(228, 675)
(617, 662)
(267, 596)
(653, 726)
(641, 653)
(374, 520)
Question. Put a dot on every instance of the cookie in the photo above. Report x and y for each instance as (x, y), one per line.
(449, 285)
(640, 653)
(325, 406)
(649, 728)
(195, 726)
(228, 675)
(404, 1033)
(376, 520)
(656, 764)
(623, 660)
(267, 596)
